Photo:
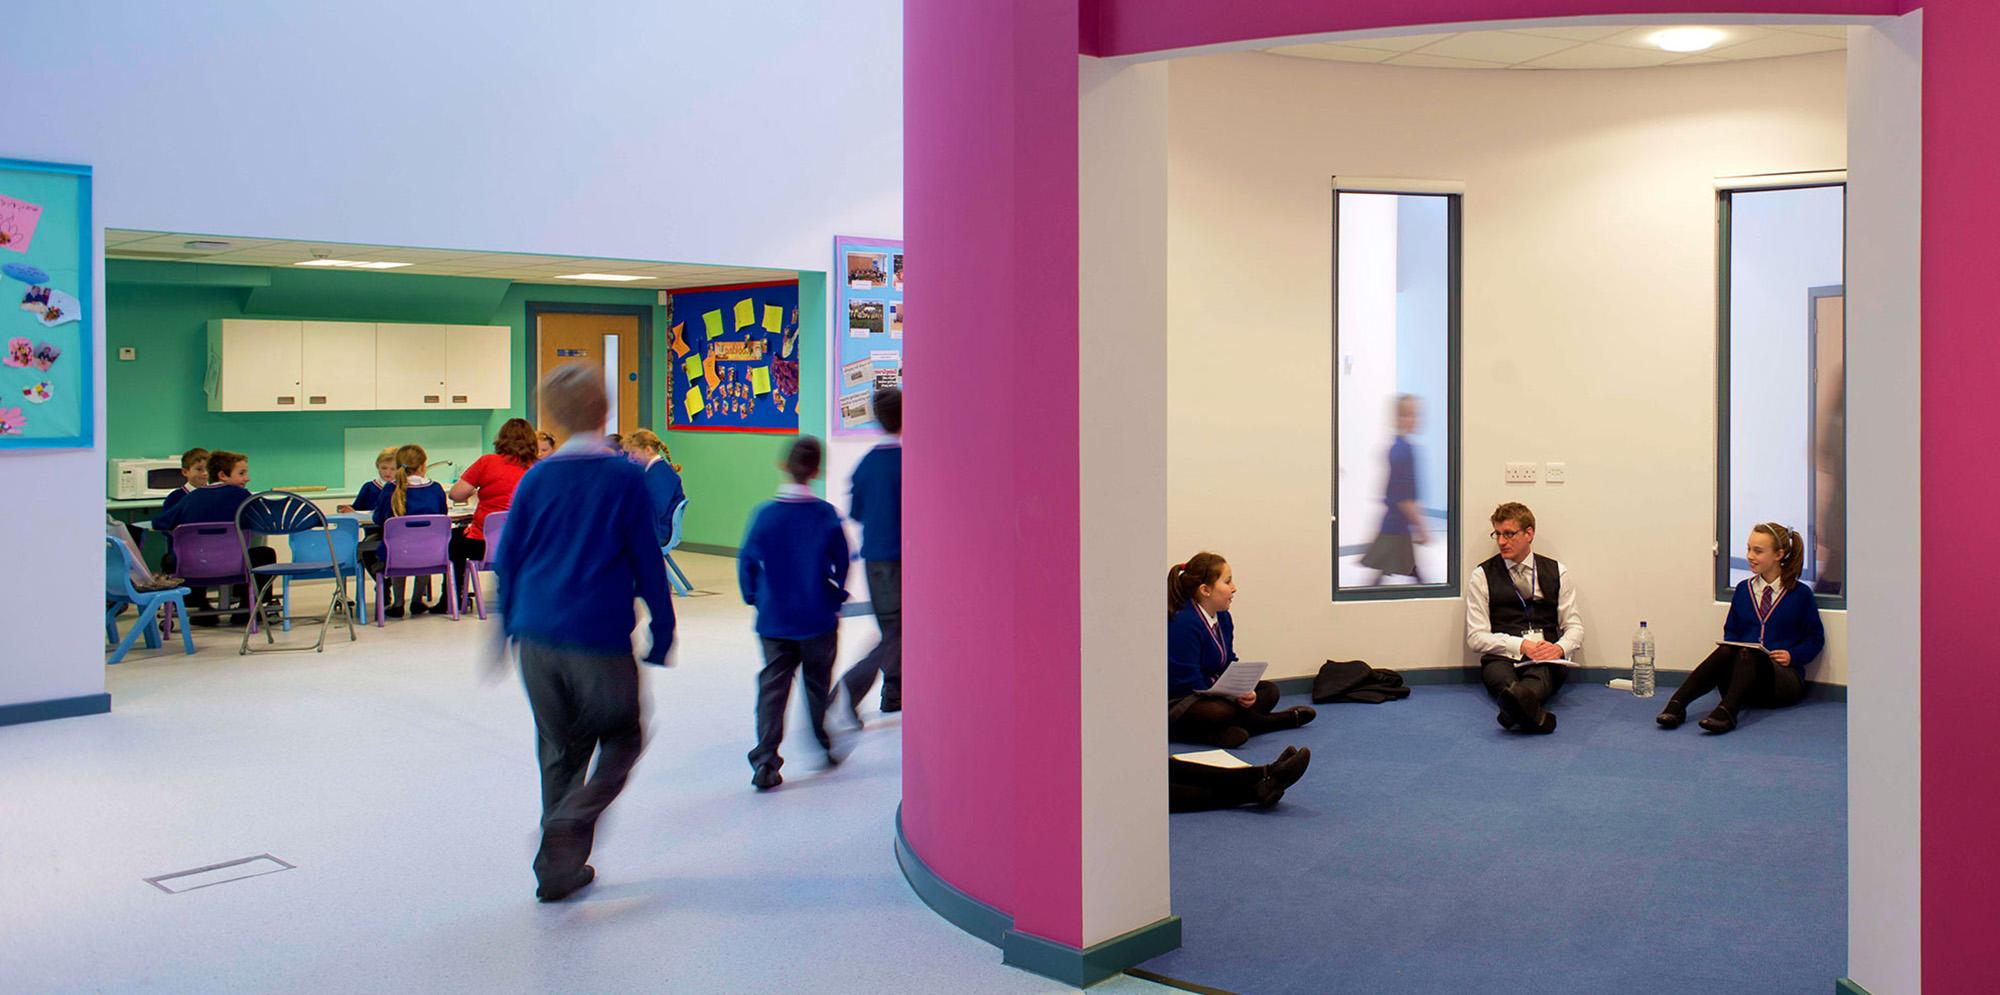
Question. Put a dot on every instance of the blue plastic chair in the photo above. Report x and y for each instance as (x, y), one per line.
(284, 513)
(675, 578)
(312, 547)
(119, 592)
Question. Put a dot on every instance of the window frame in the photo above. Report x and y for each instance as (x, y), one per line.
(1725, 544)
(1454, 271)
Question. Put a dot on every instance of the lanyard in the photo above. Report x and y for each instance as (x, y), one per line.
(1213, 635)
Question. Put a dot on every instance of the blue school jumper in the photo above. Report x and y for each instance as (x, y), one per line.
(664, 484)
(1196, 654)
(213, 503)
(1793, 626)
(792, 564)
(425, 499)
(175, 496)
(578, 547)
(370, 493)
(877, 502)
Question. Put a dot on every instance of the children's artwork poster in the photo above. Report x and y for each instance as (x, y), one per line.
(45, 334)
(868, 324)
(735, 359)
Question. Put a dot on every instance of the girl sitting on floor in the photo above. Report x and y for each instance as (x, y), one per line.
(1773, 610)
(1201, 644)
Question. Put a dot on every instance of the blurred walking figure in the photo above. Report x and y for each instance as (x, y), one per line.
(1394, 551)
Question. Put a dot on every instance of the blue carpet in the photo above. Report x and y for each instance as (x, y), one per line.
(1428, 850)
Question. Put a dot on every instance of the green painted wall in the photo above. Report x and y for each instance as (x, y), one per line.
(155, 405)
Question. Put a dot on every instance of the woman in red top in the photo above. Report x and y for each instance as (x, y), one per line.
(492, 478)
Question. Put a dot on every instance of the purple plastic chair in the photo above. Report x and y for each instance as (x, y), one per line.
(416, 546)
(210, 554)
(491, 530)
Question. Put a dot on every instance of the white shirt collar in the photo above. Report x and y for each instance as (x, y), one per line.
(892, 442)
(1205, 616)
(1757, 586)
(419, 481)
(656, 458)
(187, 488)
(584, 442)
(796, 492)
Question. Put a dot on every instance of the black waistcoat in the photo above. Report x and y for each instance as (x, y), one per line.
(1506, 613)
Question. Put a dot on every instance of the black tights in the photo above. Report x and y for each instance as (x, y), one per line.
(1207, 718)
(1745, 677)
(1198, 787)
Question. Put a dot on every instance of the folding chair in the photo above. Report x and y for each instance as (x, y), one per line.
(284, 513)
(675, 578)
(119, 592)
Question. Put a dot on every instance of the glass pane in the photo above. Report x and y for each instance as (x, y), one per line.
(1787, 376)
(612, 383)
(1393, 391)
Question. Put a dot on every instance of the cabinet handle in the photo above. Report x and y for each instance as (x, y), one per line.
(288, 400)
(458, 399)
(316, 399)
(430, 398)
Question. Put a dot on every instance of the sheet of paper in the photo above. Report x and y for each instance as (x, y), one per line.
(746, 313)
(708, 372)
(1240, 679)
(1759, 647)
(1212, 758)
(774, 319)
(712, 322)
(680, 339)
(693, 367)
(18, 220)
(760, 380)
(694, 404)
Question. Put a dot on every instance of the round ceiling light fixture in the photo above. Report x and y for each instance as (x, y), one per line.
(1686, 39)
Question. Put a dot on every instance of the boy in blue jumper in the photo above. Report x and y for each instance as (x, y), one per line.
(217, 501)
(577, 549)
(790, 570)
(878, 505)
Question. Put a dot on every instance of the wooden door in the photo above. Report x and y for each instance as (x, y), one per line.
(609, 342)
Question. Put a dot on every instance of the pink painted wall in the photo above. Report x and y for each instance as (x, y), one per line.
(1961, 362)
(1129, 27)
(992, 789)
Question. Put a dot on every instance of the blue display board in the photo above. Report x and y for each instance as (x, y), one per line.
(45, 306)
(868, 325)
(735, 357)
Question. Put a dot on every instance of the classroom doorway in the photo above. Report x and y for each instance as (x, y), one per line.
(610, 338)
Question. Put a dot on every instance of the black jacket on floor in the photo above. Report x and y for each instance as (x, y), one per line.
(1353, 680)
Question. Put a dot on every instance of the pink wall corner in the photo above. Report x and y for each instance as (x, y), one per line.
(992, 774)
(1961, 362)
(1129, 27)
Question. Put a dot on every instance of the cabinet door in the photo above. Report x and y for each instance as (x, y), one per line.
(259, 366)
(339, 365)
(479, 366)
(409, 367)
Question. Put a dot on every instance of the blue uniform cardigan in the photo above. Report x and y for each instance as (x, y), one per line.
(1793, 626)
(1193, 659)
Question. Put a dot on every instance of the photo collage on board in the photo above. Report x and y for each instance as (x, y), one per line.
(870, 303)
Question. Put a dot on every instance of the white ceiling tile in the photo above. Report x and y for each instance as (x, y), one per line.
(1823, 30)
(1596, 56)
(1778, 43)
(1335, 53)
(1641, 37)
(1404, 43)
(1497, 46)
(1573, 34)
(1426, 61)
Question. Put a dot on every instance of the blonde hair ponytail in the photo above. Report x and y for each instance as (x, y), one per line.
(410, 462)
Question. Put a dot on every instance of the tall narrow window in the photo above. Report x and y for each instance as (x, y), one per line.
(1783, 404)
(1395, 345)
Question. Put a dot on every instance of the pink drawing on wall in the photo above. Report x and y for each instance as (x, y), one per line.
(18, 219)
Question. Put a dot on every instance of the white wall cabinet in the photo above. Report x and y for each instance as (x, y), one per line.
(260, 365)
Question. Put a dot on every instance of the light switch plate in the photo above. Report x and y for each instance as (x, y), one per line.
(127, 353)
(1555, 473)
(1523, 473)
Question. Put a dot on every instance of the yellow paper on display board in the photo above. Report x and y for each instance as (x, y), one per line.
(774, 319)
(746, 313)
(760, 380)
(712, 321)
(693, 367)
(694, 404)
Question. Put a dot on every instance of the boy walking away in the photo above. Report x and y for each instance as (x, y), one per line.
(790, 570)
(878, 506)
(577, 549)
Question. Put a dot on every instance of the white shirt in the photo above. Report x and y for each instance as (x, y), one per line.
(796, 492)
(1479, 634)
(1757, 586)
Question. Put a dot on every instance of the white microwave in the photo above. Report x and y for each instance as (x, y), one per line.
(145, 479)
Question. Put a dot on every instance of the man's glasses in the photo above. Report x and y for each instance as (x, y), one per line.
(1509, 536)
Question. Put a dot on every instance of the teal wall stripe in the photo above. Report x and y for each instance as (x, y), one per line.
(54, 708)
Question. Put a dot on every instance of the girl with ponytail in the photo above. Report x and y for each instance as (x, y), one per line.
(414, 494)
(663, 478)
(1201, 644)
(1772, 610)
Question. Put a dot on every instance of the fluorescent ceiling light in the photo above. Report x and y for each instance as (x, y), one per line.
(351, 264)
(1686, 39)
(207, 245)
(609, 277)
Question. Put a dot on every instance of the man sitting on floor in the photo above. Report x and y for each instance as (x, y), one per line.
(1513, 602)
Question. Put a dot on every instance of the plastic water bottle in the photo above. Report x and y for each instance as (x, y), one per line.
(1642, 662)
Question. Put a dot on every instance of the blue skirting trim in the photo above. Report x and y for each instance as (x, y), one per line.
(55, 708)
(1815, 690)
(1081, 967)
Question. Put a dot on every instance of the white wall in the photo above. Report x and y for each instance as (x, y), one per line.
(746, 134)
(1589, 282)
(1884, 754)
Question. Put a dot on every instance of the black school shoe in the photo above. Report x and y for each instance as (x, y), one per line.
(766, 778)
(1671, 716)
(1290, 766)
(1719, 721)
(566, 886)
(1513, 714)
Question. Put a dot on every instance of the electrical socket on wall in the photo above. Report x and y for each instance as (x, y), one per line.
(127, 353)
(1555, 473)
(1523, 473)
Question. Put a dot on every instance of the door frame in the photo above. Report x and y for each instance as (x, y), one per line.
(531, 366)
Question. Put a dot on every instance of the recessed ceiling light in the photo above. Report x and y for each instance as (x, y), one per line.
(350, 264)
(206, 245)
(609, 277)
(1686, 39)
